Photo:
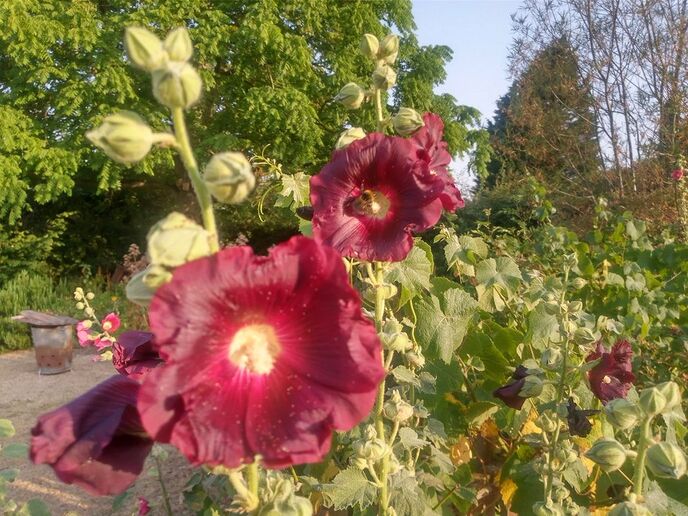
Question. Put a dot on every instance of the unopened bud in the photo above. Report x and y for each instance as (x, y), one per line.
(672, 394)
(87, 323)
(359, 462)
(608, 454)
(547, 422)
(389, 49)
(532, 388)
(407, 121)
(349, 136)
(551, 359)
(666, 460)
(178, 45)
(397, 409)
(415, 360)
(372, 450)
(156, 276)
(369, 46)
(628, 509)
(90, 296)
(144, 48)
(137, 291)
(652, 401)
(351, 96)
(622, 413)
(229, 177)
(176, 240)
(579, 283)
(80, 306)
(124, 136)
(575, 307)
(384, 77)
(177, 85)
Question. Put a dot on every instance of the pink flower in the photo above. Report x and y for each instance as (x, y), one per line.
(677, 174)
(110, 323)
(82, 334)
(612, 377)
(264, 355)
(144, 506)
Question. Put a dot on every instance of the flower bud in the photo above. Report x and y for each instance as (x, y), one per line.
(622, 413)
(628, 509)
(137, 291)
(579, 283)
(80, 306)
(372, 450)
(369, 46)
(389, 49)
(672, 394)
(415, 360)
(551, 359)
(351, 96)
(608, 454)
(229, 177)
(349, 136)
(384, 77)
(90, 296)
(652, 401)
(124, 136)
(532, 388)
(407, 121)
(585, 334)
(87, 323)
(178, 85)
(156, 276)
(547, 422)
(178, 45)
(359, 462)
(666, 460)
(144, 48)
(575, 306)
(176, 240)
(397, 409)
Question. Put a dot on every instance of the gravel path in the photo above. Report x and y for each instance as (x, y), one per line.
(24, 395)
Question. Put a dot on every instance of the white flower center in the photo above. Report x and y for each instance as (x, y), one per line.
(607, 379)
(255, 348)
(372, 203)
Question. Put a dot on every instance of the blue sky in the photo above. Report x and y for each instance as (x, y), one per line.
(479, 32)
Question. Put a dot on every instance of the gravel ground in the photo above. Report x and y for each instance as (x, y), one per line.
(24, 395)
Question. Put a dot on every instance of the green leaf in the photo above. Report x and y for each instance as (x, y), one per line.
(413, 272)
(543, 328)
(295, 191)
(443, 321)
(497, 281)
(409, 439)
(6, 428)
(478, 413)
(350, 488)
(659, 503)
(403, 374)
(463, 252)
(34, 508)
(122, 498)
(406, 496)
(9, 475)
(15, 451)
(481, 345)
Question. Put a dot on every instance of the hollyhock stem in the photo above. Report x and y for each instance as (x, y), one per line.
(378, 108)
(640, 458)
(253, 478)
(202, 193)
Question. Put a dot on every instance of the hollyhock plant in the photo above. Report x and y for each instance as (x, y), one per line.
(510, 393)
(134, 355)
(613, 377)
(372, 196)
(96, 441)
(110, 323)
(263, 356)
(577, 419)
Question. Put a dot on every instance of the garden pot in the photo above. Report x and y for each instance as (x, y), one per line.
(52, 337)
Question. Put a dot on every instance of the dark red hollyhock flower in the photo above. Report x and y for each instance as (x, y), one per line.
(578, 421)
(96, 441)
(264, 355)
(612, 377)
(509, 393)
(134, 355)
(431, 149)
(371, 196)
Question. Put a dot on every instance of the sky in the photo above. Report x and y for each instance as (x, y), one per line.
(479, 33)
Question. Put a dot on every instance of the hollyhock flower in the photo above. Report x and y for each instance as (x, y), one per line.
(509, 393)
(578, 421)
(431, 149)
(372, 196)
(612, 378)
(96, 441)
(133, 354)
(110, 323)
(144, 506)
(82, 334)
(677, 174)
(264, 355)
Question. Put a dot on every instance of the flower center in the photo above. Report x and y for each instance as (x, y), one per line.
(372, 204)
(606, 379)
(255, 348)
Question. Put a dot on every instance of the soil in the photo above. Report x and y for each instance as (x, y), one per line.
(24, 395)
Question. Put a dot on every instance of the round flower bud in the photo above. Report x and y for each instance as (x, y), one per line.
(156, 276)
(575, 306)
(389, 49)
(124, 136)
(407, 121)
(349, 136)
(579, 283)
(137, 291)
(229, 177)
(90, 296)
(608, 454)
(369, 46)
(372, 450)
(351, 96)
(652, 401)
(532, 387)
(178, 85)
(547, 422)
(144, 48)
(359, 462)
(628, 509)
(666, 460)
(551, 359)
(384, 77)
(176, 240)
(178, 45)
(397, 409)
(400, 343)
(622, 413)
(672, 394)
(80, 306)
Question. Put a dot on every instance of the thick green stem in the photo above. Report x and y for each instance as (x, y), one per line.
(253, 478)
(379, 404)
(639, 473)
(378, 109)
(202, 194)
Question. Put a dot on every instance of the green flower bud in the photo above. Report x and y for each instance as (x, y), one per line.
(397, 409)
(389, 49)
(137, 291)
(351, 96)
(579, 283)
(371, 451)
(575, 306)
(349, 136)
(400, 343)
(124, 136)
(551, 359)
(532, 388)
(178, 85)
(144, 48)
(384, 77)
(672, 394)
(359, 462)
(415, 360)
(176, 240)
(90, 296)
(407, 121)
(547, 422)
(80, 306)
(628, 509)
(652, 401)
(369, 46)
(666, 460)
(622, 413)
(547, 509)
(156, 276)
(560, 492)
(585, 334)
(608, 454)
(229, 177)
(178, 45)
(286, 503)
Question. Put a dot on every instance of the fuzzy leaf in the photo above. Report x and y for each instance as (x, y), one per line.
(350, 488)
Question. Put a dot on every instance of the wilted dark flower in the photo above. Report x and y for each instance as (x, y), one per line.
(96, 441)
(579, 424)
(134, 354)
(509, 393)
(612, 377)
